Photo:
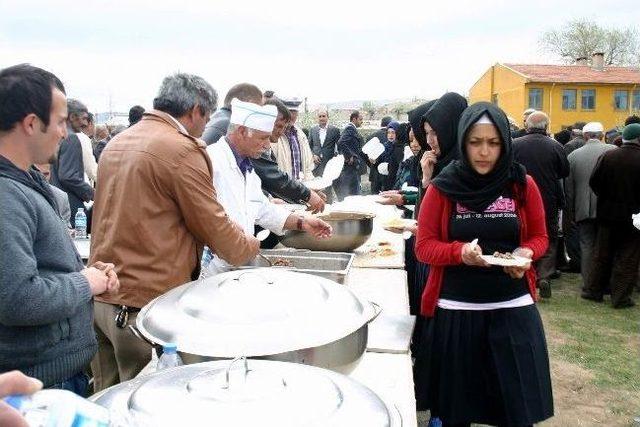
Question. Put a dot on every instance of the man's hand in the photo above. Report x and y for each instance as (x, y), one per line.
(518, 272)
(317, 227)
(15, 382)
(315, 202)
(471, 255)
(113, 284)
(427, 163)
(98, 280)
(394, 199)
(316, 159)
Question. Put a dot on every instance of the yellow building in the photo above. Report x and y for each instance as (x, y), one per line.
(567, 93)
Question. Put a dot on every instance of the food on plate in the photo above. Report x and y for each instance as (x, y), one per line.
(383, 249)
(506, 255)
(282, 262)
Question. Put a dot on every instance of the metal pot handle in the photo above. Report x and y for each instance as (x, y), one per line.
(228, 371)
(377, 310)
(139, 335)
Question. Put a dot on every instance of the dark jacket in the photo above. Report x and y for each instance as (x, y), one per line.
(381, 134)
(325, 151)
(217, 126)
(67, 173)
(547, 163)
(278, 183)
(99, 148)
(46, 310)
(573, 145)
(350, 145)
(615, 181)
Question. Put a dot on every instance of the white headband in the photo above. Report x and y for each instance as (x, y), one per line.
(485, 120)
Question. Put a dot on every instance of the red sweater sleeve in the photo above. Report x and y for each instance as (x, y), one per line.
(536, 236)
(431, 245)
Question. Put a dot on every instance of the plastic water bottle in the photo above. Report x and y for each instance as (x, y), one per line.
(81, 224)
(59, 408)
(169, 358)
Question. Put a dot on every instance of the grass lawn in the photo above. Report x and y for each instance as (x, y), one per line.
(594, 357)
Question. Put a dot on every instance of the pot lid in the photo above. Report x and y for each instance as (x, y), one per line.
(258, 312)
(248, 393)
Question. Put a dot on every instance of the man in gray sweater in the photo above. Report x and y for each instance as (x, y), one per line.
(581, 200)
(46, 313)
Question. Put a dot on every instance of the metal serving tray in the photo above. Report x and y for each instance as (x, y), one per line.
(331, 265)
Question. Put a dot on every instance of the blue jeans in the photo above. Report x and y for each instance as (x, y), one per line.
(77, 384)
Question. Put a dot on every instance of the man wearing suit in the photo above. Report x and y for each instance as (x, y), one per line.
(67, 170)
(350, 145)
(323, 139)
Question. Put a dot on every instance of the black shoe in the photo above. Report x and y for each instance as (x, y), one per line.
(545, 288)
(590, 297)
(625, 304)
(555, 275)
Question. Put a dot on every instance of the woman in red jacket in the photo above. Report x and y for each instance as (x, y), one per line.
(484, 355)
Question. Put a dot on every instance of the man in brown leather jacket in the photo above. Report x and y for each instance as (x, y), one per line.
(155, 208)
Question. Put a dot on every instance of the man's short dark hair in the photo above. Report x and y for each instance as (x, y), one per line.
(632, 119)
(24, 90)
(135, 114)
(91, 118)
(244, 92)
(578, 125)
(385, 121)
(282, 109)
(354, 115)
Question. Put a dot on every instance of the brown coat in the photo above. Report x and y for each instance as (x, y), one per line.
(155, 208)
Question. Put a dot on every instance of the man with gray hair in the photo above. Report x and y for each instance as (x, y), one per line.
(581, 204)
(547, 163)
(522, 132)
(68, 167)
(155, 209)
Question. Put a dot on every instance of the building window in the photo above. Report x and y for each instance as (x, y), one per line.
(636, 100)
(588, 99)
(569, 97)
(621, 100)
(535, 99)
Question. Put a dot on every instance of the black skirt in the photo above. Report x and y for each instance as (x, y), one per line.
(487, 367)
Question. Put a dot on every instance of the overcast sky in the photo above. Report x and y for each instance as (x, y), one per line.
(118, 51)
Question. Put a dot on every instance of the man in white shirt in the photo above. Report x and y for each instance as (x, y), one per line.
(238, 187)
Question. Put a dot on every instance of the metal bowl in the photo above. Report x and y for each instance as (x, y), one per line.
(350, 231)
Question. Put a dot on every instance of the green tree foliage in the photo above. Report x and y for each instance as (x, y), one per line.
(582, 38)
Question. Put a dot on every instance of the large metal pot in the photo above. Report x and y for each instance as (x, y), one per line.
(247, 393)
(266, 313)
(350, 231)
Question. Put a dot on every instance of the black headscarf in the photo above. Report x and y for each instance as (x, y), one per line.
(461, 183)
(443, 117)
(415, 120)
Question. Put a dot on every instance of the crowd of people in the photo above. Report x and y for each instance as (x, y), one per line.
(181, 192)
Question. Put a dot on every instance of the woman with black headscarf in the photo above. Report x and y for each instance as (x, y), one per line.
(484, 355)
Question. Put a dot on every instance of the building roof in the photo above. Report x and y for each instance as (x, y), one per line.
(576, 74)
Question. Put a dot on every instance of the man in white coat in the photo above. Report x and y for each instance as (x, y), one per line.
(238, 187)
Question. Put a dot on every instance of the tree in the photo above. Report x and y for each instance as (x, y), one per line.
(582, 38)
(370, 108)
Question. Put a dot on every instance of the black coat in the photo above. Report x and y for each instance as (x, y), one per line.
(350, 145)
(67, 173)
(325, 151)
(547, 163)
(279, 183)
(615, 180)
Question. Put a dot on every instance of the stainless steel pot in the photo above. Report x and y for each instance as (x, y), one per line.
(265, 312)
(246, 393)
(350, 231)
